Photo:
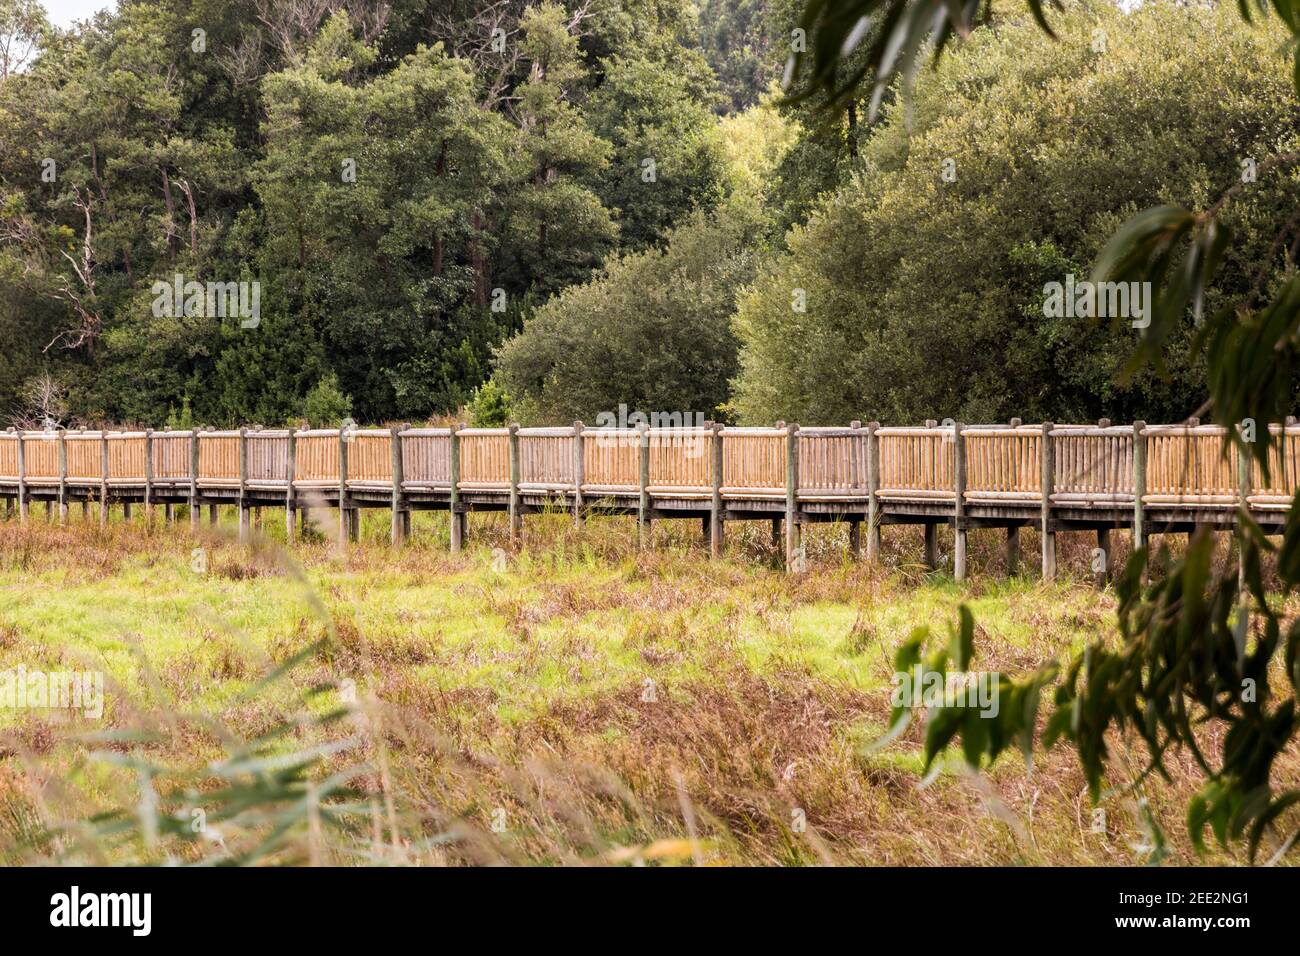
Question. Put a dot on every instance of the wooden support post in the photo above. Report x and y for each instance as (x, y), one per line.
(245, 532)
(148, 478)
(1012, 545)
(1103, 545)
(516, 505)
(931, 545)
(169, 512)
(776, 537)
(1242, 623)
(959, 503)
(85, 500)
(456, 519)
(643, 481)
(579, 471)
(1013, 532)
(1287, 471)
(212, 514)
(1048, 475)
(873, 492)
(343, 488)
(103, 479)
(290, 473)
(24, 507)
(398, 531)
(716, 515)
(794, 560)
(11, 503)
(126, 511)
(63, 477)
(857, 479)
(1139, 483)
(194, 480)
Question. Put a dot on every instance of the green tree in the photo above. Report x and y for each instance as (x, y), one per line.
(209, 139)
(325, 405)
(262, 377)
(652, 329)
(373, 195)
(118, 165)
(922, 279)
(491, 406)
(557, 226)
(665, 159)
(734, 37)
(23, 26)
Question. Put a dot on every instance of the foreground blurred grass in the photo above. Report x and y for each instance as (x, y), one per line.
(575, 702)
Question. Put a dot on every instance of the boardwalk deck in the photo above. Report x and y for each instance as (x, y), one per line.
(1054, 477)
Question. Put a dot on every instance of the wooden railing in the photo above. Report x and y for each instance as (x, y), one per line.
(833, 462)
(916, 463)
(1283, 472)
(1090, 466)
(1003, 464)
(1190, 466)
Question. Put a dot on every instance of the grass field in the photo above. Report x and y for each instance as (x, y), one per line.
(575, 702)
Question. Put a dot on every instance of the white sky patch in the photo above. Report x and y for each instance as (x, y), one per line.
(63, 13)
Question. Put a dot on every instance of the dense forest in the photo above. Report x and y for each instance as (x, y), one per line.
(544, 210)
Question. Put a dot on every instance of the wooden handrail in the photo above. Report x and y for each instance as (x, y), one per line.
(1090, 464)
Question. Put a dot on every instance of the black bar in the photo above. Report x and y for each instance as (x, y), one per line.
(215, 906)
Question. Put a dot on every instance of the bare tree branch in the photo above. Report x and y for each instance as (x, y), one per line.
(244, 63)
(290, 23)
(184, 186)
(81, 296)
(472, 40)
(44, 405)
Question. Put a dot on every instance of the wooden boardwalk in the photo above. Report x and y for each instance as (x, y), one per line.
(1052, 477)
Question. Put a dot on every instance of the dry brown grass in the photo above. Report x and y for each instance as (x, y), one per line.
(604, 704)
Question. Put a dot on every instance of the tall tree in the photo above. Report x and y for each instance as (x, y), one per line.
(652, 329)
(23, 26)
(374, 193)
(558, 228)
(665, 157)
(734, 35)
(916, 290)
